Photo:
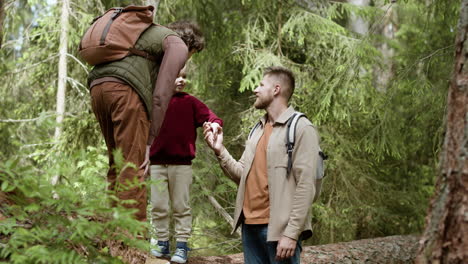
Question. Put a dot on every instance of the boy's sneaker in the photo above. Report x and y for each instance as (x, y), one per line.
(180, 255)
(161, 249)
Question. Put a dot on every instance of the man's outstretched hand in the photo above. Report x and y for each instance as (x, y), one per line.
(213, 134)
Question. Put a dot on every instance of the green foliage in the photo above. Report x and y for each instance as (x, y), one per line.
(383, 143)
(74, 226)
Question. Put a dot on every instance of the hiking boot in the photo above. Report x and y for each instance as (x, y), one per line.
(180, 255)
(161, 249)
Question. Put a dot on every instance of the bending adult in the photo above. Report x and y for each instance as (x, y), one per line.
(130, 98)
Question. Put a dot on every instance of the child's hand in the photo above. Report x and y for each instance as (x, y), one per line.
(208, 133)
(215, 143)
(216, 129)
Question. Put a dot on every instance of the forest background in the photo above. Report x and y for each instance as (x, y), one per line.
(372, 75)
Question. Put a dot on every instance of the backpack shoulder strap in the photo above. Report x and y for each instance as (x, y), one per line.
(142, 53)
(291, 137)
(253, 129)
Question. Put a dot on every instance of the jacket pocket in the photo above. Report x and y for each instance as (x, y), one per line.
(281, 162)
(280, 172)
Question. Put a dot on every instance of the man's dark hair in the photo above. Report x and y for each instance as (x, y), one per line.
(285, 76)
(190, 33)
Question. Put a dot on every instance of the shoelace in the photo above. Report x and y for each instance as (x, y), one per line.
(163, 248)
(181, 252)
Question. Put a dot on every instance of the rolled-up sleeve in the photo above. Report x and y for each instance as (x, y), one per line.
(175, 56)
(232, 168)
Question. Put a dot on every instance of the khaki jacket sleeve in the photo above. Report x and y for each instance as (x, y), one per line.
(304, 168)
(232, 168)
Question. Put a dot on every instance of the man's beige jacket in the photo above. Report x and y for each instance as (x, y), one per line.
(290, 197)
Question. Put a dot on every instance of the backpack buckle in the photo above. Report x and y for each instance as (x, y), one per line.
(116, 13)
(289, 148)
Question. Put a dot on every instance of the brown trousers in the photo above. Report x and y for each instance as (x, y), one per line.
(125, 126)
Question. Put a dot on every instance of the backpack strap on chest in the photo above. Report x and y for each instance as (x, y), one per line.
(291, 137)
(253, 129)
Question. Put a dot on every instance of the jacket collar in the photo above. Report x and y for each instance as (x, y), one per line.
(180, 94)
(282, 119)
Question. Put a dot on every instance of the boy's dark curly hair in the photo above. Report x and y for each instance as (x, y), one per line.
(190, 33)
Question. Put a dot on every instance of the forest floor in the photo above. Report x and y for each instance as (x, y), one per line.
(392, 249)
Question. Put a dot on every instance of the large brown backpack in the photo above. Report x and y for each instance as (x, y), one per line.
(112, 36)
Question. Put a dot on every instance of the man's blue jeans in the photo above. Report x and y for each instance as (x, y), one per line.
(258, 251)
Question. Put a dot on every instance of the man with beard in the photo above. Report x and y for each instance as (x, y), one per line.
(272, 205)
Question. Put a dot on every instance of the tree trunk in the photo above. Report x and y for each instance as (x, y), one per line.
(62, 76)
(357, 24)
(382, 76)
(3, 201)
(154, 3)
(445, 238)
(315, 6)
(2, 17)
(391, 250)
(62, 70)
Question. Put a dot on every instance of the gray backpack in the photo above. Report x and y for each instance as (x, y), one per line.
(290, 141)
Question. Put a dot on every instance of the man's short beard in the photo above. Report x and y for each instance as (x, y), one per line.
(260, 105)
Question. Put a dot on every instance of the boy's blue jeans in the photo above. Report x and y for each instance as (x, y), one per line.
(258, 251)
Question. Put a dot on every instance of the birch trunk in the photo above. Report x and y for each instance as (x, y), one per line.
(382, 76)
(62, 76)
(357, 24)
(62, 69)
(154, 3)
(445, 238)
(2, 17)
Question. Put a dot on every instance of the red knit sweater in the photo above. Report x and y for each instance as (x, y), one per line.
(175, 143)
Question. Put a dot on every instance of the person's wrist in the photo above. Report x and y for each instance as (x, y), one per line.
(218, 151)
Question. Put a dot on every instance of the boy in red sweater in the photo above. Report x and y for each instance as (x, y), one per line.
(171, 157)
